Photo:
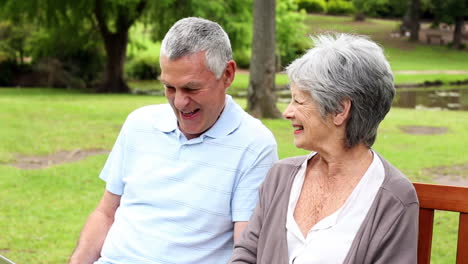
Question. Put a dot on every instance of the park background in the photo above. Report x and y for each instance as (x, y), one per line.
(61, 110)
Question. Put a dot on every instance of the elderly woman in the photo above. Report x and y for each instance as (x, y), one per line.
(342, 203)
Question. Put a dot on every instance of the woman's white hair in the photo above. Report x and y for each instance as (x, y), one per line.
(344, 66)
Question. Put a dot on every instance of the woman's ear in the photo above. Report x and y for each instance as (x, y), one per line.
(341, 117)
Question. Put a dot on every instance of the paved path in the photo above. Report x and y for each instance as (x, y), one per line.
(409, 72)
(432, 72)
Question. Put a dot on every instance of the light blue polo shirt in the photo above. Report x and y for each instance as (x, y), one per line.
(180, 197)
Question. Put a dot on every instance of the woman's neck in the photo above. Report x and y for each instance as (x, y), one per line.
(343, 163)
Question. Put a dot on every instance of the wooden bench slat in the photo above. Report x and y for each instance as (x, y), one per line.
(462, 247)
(442, 197)
(447, 198)
(426, 224)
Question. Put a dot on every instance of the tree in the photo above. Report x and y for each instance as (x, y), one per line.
(261, 96)
(13, 40)
(112, 18)
(452, 12)
(414, 8)
(365, 8)
(115, 41)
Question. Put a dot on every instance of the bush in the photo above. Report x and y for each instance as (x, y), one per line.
(79, 59)
(312, 6)
(10, 70)
(291, 33)
(144, 66)
(339, 7)
(242, 58)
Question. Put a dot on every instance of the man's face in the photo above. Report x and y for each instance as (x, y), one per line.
(193, 91)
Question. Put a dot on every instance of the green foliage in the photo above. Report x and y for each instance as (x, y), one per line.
(14, 40)
(67, 29)
(291, 39)
(242, 57)
(142, 61)
(235, 16)
(312, 6)
(371, 7)
(82, 56)
(144, 66)
(339, 7)
(56, 31)
(398, 8)
(445, 11)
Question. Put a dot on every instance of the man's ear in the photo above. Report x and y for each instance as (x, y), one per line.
(341, 117)
(229, 73)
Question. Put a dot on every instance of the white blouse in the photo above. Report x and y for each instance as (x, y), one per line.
(330, 239)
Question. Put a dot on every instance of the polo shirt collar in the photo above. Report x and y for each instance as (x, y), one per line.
(228, 121)
(166, 123)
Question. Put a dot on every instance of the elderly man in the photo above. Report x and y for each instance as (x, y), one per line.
(182, 178)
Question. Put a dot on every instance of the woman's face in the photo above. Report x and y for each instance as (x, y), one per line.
(311, 131)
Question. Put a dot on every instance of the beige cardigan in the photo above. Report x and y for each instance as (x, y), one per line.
(389, 233)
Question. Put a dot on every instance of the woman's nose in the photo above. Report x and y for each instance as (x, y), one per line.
(288, 112)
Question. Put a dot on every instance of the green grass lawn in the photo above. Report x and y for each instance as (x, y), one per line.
(402, 54)
(49, 206)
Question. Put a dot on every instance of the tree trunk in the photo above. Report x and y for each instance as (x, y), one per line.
(359, 16)
(414, 20)
(116, 50)
(457, 33)
(261, 95)
(116, 43)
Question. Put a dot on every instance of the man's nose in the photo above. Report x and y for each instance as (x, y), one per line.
(181, 100)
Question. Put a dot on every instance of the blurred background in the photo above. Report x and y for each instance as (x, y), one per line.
(72, 70)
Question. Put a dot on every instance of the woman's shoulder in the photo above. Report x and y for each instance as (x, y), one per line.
(280, 177)
(284, 169)
(398, 184)
(291, 161)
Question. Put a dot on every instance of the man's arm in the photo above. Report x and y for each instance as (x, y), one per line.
(245, 247)
(239, 227)
(95, 230)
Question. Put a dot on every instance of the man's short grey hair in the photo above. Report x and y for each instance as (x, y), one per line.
(191, 35)
(344, 66)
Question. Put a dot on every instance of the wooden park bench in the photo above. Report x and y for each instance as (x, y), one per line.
(434, 35)
(447, 198)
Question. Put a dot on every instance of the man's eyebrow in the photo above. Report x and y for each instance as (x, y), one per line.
(192, 85)
(189, 85)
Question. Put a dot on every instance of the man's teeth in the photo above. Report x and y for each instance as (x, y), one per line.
(298, 128)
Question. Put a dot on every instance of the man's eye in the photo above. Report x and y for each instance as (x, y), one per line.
(190, 90)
